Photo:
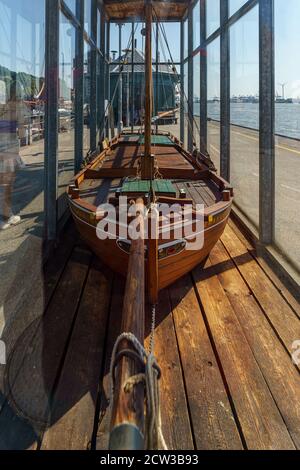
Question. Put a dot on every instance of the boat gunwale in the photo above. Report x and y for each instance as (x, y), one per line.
(212, 210)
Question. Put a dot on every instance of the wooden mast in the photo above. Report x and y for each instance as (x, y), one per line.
(147, 164)
(127, 420)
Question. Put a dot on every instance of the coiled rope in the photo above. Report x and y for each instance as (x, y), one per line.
(150, 376)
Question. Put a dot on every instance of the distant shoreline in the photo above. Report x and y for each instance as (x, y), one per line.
(287, 119)
(254, 129)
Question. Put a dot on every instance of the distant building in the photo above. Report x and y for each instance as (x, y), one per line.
(166, 83)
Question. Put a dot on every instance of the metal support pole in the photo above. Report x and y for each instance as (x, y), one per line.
(78, 85)
(127, 98)
(120, 101)
(225, 91)
(132, 77)
(182, 81)
(107, 74)
(266, 124)
(190, 81)
(51, 117)
(101, 86)
(203, 79)
(157, 74)
(93, 78)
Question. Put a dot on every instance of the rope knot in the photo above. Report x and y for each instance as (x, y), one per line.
(150, 377)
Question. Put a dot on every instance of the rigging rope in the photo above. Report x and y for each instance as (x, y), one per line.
(190, 116)
(150, 377)
(121, 66)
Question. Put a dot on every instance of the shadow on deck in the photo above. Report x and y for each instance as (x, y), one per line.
(224, 339)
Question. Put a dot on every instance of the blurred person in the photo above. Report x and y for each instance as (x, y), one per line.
(12, 120)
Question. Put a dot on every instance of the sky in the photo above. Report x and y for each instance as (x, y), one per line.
(16, 34)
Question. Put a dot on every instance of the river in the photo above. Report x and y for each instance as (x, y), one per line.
(287, 116)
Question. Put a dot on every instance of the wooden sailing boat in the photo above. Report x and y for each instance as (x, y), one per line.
(135, 164)
(149, 168)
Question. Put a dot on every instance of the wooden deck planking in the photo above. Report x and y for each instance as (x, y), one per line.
(292, 300)
(33, 367)
(176, 425)
(260, 420)
(73, 407)
(128, 157)
(228, 378)
(211, 415)
(284, 321)
(276, 365)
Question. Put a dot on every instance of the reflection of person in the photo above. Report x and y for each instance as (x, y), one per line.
(12, 115)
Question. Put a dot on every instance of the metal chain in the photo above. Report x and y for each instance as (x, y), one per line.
(153, 322)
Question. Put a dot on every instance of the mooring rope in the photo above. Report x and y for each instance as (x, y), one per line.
(150, 377)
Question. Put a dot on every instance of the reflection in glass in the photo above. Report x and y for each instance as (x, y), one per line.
(244, 63)
(186, 39)
(71, 4)
(66, 136)
(22, 99)
(235, 5)
(88, 16)
(86, 98)
(22, 111)
(212, 16)
(196, 100)
(196, 25)
(186, 115)
(287, 113)
(213, 101)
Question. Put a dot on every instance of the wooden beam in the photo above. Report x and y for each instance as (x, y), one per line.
(127, 423)
(147, 163)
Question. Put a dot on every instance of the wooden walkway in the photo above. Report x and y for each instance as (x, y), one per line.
(223, 339)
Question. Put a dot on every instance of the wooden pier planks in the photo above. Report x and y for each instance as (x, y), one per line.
(175, 420)
(212, 419)
(32, 372)
(113, 331)
(176, 424)
(260, 420)
(228, 379)
(74, 404)
(292, 300)
(283, 319)
(275, 363)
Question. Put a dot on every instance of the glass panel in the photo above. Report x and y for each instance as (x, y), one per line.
(235, 5)
(22, 99)
(88, 15)
(185, 78)
(196, 25)
(244, 65)
(212, 16)
(126, 32)
(86, 98)
(287, 109)
(71, 4)
(22, 102)
(186, 39)
(66, 136)
(196, 104)
(213, 101)
(98, 28)
(172, 32)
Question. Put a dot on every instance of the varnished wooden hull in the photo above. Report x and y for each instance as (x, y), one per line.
(163, 266)
(170, 268)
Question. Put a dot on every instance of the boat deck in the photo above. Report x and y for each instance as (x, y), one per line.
(126, 158)
(98, 191)
(223, 339)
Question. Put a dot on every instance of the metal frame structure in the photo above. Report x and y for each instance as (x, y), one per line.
(97, 94)
(100, 59)
(267, 95)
